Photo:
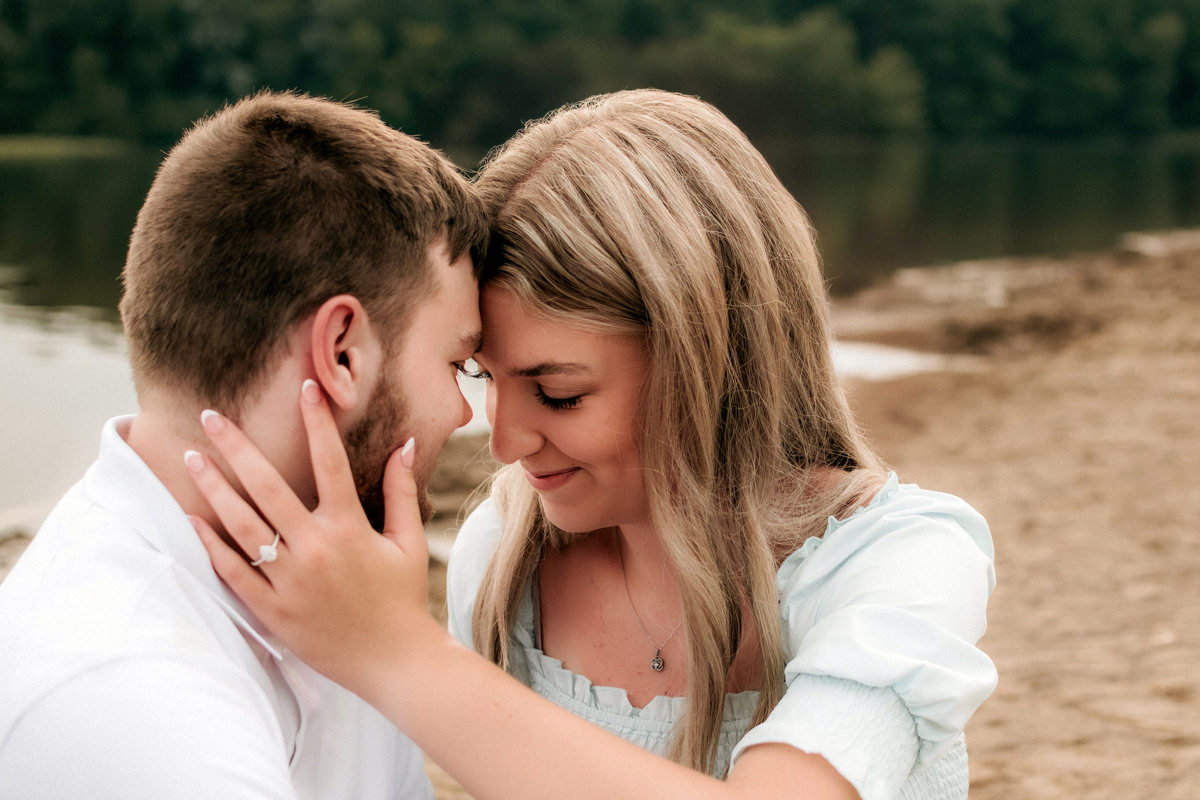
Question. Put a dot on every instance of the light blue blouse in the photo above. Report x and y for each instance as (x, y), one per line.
(880, 615)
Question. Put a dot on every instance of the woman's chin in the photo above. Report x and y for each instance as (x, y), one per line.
(568, 520)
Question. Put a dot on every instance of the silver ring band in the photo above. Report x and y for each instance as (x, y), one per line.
(267, 552)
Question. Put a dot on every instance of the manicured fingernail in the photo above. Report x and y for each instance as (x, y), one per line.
(310, 391)
(212, 421)
(408, 453)
(195, 522)
(194, 461)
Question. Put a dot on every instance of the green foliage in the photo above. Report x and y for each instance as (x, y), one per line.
(803, 75)
(466, 73)
(1154, 50)
(893, 92)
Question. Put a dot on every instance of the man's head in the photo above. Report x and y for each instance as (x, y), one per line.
(288, 229)
(260, 214)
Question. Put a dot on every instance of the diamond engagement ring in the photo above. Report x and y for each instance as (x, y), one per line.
(267, 552)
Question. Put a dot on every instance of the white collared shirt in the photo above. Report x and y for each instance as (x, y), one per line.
(127, 669)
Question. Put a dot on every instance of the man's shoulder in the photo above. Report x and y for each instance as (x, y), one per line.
(84, 560)
(89, 592)
(115, 652)
(98, 625)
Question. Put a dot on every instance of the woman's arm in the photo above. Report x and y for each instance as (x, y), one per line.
(501, 740)
(352, 604)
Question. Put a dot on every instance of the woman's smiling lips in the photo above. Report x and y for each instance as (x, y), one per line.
(545, 481)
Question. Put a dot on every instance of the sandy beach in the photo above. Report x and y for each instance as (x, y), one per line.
(1078, 439)
(1068, 412)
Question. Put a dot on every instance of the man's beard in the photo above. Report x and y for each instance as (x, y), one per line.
(372, 440)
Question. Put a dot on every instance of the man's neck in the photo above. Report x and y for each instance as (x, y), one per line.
(160, 436)
(168, 425)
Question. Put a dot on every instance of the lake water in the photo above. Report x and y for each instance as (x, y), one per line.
(65, 220)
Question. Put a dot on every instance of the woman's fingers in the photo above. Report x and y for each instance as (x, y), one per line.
(245, 582)
(402, 521)
(270, 492)
(338, 587)
(331, 465)
(245, 527)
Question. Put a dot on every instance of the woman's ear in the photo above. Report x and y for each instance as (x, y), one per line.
(345, 352)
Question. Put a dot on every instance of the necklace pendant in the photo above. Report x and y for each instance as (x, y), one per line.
(657, 663)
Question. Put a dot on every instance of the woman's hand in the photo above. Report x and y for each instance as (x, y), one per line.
(339, 595)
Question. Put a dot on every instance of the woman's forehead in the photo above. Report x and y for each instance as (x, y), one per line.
(531, 344)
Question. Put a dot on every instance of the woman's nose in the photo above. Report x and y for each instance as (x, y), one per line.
(514, 435)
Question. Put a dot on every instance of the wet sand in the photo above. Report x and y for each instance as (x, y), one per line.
(1070, 416)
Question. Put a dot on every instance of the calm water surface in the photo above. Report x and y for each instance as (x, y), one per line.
(65, 222)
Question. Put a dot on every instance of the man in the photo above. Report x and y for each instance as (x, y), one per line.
(284, 239)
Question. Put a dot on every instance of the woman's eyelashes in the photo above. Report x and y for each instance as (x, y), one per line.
(473, 369)
(557, 403)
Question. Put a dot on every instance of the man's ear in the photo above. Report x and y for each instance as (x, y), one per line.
(345, 352)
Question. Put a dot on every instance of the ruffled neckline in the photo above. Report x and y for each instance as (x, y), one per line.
(613, 700)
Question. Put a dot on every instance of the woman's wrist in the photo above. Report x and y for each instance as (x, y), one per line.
(394, 669)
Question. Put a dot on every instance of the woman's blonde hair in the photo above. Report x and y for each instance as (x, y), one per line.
(650, 212)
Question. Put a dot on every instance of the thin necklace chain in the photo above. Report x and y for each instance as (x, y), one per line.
(657, 664)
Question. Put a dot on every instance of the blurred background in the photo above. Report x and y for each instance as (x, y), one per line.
(915, 133)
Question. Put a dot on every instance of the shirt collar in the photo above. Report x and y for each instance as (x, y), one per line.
(120, 482)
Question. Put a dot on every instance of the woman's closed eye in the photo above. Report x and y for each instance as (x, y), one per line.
(557, 403)
(473, 368)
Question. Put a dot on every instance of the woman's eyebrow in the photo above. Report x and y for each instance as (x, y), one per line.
(551, 368)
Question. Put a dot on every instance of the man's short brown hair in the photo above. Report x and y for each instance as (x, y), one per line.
(265, 210)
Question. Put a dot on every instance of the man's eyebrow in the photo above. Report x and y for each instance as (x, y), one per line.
(471, 342)
(551, 368)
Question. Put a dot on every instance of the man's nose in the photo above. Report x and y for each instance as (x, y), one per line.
(467, 413)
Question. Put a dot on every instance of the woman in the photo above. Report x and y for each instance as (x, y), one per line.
(692, 545)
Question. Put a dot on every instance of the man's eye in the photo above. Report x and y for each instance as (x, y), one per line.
(471, 369)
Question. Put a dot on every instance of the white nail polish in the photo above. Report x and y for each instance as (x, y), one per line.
(212, 421)
(310, 391)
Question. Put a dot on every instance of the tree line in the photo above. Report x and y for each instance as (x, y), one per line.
(465, 73)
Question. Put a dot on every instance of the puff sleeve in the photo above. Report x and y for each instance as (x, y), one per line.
(881, 617)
